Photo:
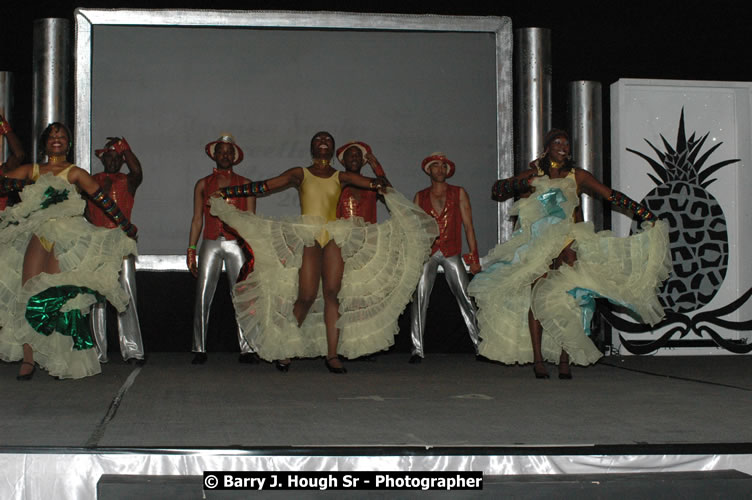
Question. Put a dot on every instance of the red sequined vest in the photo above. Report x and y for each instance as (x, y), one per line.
(350, 206)
(119, 194)
(213, 227)
(449, 221)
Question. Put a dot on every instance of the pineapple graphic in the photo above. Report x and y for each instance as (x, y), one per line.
(698, 235)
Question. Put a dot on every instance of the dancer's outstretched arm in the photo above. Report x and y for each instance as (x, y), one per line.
(504, 189)
(587, 181)
(291, 177)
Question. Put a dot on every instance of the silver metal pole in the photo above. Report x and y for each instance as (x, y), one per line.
(51, 76)
(586, 132)
(585, 122)
(6, 98)
(532, 96)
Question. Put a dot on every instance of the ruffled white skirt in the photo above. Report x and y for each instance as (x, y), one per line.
(626, 271)
(383, 263)
(89, 257)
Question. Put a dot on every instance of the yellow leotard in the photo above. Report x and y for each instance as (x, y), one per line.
(47, 244)
(319, 196)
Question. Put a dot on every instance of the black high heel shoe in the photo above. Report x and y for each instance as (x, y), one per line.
(27, 376)
(283, 367)
(334, 369)
(538, 374)
(249, 358)
(565, 375)
(199, 358)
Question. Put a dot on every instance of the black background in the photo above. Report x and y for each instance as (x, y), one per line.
(602, 41)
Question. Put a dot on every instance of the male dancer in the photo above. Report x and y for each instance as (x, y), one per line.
(14, 159)
(122, 189)
(355, 201)
(220, 243)
(450, 206)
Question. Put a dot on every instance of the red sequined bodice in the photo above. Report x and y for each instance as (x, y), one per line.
(213, 227)
(363, 205)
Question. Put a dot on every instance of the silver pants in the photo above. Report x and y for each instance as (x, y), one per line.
(129, 329)
(210, 258)
(456, 277)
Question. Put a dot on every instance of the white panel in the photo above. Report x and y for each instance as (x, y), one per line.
(171, 81)
(646, 109)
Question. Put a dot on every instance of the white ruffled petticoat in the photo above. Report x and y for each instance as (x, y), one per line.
(89, 257)
(383, 263)
(626, 271)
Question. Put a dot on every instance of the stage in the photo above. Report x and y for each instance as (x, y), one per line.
(451, 412)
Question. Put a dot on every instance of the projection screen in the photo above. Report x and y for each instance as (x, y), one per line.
(171, 81)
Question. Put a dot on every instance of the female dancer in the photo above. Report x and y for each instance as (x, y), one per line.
(55, 264)
(364, 269)
(525, 287)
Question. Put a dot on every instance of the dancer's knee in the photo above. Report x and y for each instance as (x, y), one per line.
(330, 293)
(305, 301)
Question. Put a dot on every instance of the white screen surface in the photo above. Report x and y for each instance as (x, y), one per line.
(171, 89)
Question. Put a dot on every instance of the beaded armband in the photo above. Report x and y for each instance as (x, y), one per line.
(623, 201)
(503, 188)
(5, 127)
(8, 185)
(113, 212)
(250, 189)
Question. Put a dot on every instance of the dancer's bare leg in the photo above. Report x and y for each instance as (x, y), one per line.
(308, 285)
(309, 277)
(536, 334)
(564, 370)
(36, 260)
(568, 257)
(332, 269)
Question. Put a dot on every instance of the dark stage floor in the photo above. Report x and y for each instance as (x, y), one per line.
(450, 400)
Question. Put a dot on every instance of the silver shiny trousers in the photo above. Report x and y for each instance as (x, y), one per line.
(129, 330)
(456, 276)
(210, 258)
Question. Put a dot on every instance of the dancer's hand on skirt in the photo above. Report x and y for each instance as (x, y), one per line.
(216, 194)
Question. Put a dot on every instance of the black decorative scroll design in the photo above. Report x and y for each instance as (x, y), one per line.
(700, 324)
